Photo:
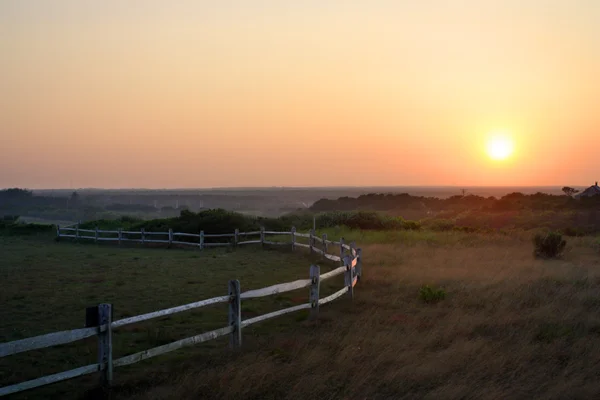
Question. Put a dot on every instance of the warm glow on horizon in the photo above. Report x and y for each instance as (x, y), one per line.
(500, 146)
(195, 93)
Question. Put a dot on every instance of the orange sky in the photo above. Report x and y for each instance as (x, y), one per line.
(313, 93)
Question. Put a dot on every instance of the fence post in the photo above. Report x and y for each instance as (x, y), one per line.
(342, 250)
(201, 240)
(311, 240)
(324, 237)
(262, 236)
(349, 276)
(359, 264)
(236, 237)
(293, 238)
(57, 232)
(143, 232)
(315, 277)
(120, 233)
(235, 314)
(77, 232)
(170, 237)
(105, 345)
(96, 238)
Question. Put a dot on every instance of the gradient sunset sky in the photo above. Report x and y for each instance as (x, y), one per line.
(181, 94)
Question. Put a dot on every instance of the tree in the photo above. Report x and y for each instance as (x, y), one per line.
(569, 191)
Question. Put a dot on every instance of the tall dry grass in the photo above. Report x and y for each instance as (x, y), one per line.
(510, 327)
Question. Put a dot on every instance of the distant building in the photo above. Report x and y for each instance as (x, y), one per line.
(590, 192)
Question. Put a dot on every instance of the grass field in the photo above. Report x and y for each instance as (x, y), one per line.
(47, 285)
(511, 326)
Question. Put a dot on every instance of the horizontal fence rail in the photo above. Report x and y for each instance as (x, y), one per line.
(103, 325)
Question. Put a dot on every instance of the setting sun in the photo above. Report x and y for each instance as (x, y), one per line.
(500, 146)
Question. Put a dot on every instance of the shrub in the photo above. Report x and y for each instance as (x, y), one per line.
(441, 225)
(549, 245)
(17, 229)
(431, 295)
(412, 225)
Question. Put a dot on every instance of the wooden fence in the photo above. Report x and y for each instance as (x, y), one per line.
(99, 321)
(199, 240)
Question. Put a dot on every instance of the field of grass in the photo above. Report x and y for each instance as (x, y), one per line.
(47, 286)
(510, 326)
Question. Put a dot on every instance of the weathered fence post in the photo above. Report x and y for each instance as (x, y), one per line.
(235, 314)
(315, 277)
(342, 251)
(170, 237)
(262, 236)
(324, 237)
(96, 237)
(120, 233)
(311, 240)
(349, 276)
(201, 240)
(143, 233)
(293, 238)
(105, 344)
(359, 264)
(236, 237)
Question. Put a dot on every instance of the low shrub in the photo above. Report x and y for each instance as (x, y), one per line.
(431, 294)
(548, 245)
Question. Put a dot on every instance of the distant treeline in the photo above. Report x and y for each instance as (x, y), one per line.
(218, 221)
(72, 208)
(476, 213)
(510, 202)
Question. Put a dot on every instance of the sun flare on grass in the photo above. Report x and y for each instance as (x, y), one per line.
(500, 146)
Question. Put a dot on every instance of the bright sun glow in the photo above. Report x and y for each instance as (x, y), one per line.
(500, 146)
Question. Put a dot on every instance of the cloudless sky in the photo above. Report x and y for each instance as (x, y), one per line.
(155, 94)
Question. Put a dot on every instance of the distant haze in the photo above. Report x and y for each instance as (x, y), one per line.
(187, 94)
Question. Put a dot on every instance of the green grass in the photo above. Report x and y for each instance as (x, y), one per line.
(47, 286)
(510, 326)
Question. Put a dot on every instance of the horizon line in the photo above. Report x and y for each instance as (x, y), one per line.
(292, 187)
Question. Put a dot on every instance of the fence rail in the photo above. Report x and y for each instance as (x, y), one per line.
(102, 325)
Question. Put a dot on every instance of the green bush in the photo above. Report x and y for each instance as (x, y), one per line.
(431, 294)
(441, 225)
(412, 225)
(18, 229)
(548, 245)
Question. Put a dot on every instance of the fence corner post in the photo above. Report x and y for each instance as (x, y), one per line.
(236, 237)
(315, 277)
(201, 240)
(235, 314)
(293, 238)
(105, 360)
(359, 264)
(349, 276)
(324, 237)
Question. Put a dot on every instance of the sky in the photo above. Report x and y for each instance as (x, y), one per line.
(186, 94)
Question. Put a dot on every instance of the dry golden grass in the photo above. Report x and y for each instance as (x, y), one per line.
(510, 327)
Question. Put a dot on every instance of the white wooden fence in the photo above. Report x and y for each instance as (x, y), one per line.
(99, 321)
